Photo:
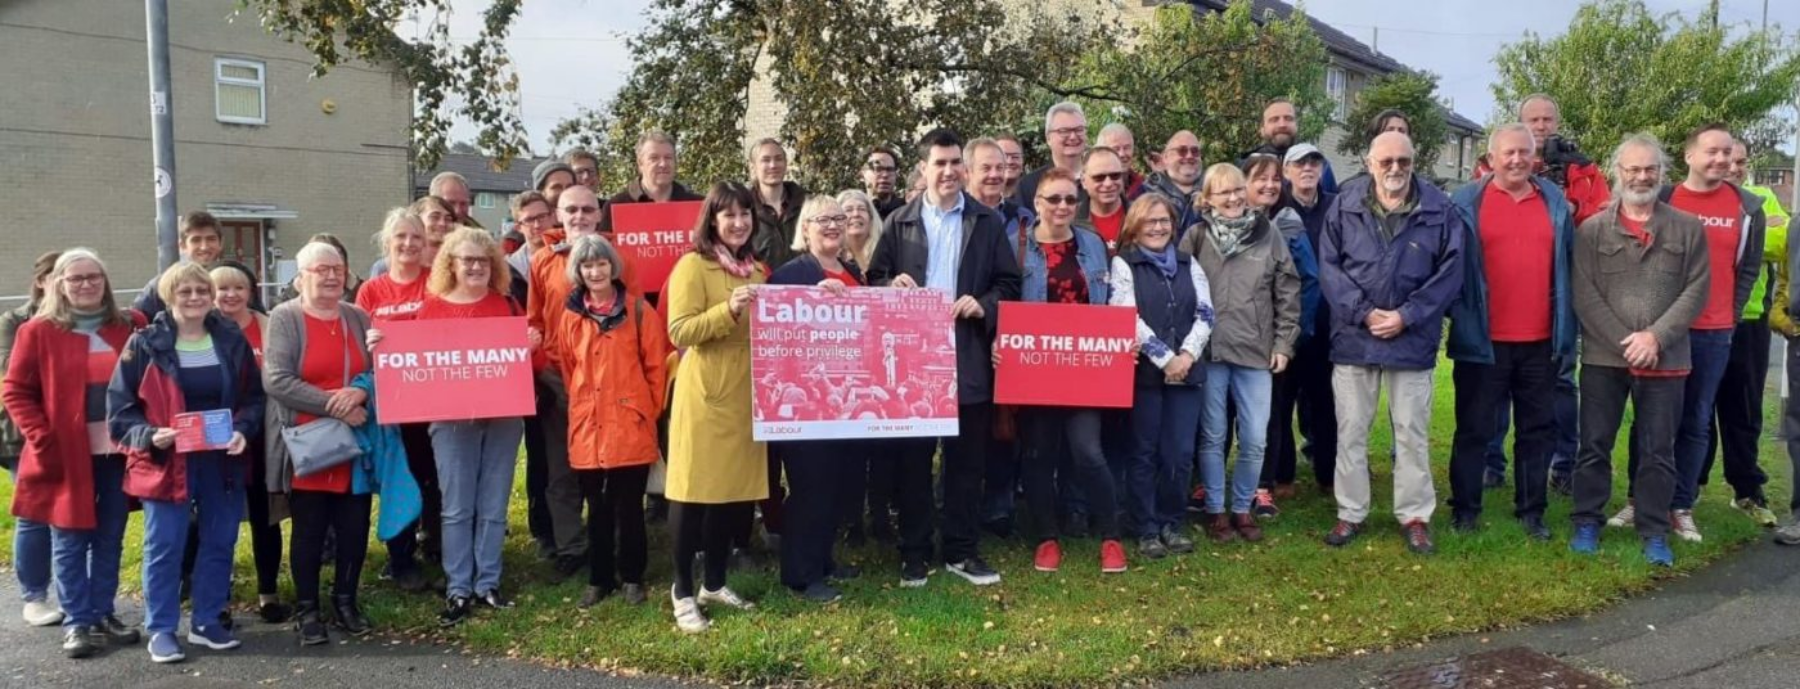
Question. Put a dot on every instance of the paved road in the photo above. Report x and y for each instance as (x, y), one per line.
(1734, 625)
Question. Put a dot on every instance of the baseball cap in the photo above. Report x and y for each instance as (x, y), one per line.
(1299, 152)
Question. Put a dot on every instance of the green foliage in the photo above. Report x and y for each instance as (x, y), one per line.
(1620, 69)
(475, 81)
(1209, 72)
(1414, 94)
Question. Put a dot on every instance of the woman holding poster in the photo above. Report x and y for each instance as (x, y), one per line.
(185, 400)
(1174, 320)
(1067, 264)
(407, 240)
(315, 348)
(717, 470)
(819, 472)
(474, 458)
(1257, 293)
(613, 349)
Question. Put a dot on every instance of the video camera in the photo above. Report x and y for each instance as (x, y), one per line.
(1557, 155)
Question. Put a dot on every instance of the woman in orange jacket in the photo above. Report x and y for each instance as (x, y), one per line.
(613, 350)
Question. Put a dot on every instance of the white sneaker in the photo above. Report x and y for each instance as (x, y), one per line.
(1789, 533)
(688, 617)
(724, 596)
(1625, 518)
(1682, 523)
(40, 613)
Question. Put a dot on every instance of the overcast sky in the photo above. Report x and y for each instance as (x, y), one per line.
(571, 53)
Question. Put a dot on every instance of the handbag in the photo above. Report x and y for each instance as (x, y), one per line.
(322, 443)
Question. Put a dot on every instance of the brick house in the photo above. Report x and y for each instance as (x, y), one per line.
(492, 189)
(275, 154)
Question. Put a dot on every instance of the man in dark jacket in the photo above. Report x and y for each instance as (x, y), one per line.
(778, 202)
(1065, 131)
(1512, 325)
(1733, 219)
(1390, 265)
(947, 241)
(202, 242)
(1640, 279)
(1178, 177)
(1280, 129)
(1304, 168)
(656, 178)
(880, 175)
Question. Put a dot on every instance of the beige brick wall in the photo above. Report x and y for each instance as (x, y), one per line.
(75, 132)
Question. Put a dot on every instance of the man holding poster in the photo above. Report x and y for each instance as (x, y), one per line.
(1066, 264)
(946, 241)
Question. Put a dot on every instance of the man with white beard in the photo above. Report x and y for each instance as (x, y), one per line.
(1390, 264)
(1640, 279)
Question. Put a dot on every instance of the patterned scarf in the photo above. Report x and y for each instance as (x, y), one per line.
(732, 265)
(1229, 234)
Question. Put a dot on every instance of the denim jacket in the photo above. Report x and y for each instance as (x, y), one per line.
(1090, 253)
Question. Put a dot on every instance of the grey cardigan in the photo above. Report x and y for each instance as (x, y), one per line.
(284, 347)
(1621, 287)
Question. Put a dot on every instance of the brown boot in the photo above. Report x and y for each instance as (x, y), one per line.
(1246, 526)
(1218, 527)
(1284, 491)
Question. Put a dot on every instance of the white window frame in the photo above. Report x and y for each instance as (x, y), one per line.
(1337, 86)
(261, 84)
(486, 199)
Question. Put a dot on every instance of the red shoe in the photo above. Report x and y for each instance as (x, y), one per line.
(1049, 557)
(1112, 557)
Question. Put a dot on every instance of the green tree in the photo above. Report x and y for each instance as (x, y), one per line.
(1620, 69)
(1210, 72)
(474, 81)
(847, 74)
(1412, 93)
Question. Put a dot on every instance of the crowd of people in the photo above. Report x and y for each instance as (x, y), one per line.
(1274, 304)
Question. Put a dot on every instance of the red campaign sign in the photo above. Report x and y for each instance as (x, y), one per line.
(453, 369)
(652, 237)
(1065, 355)
(871, 363)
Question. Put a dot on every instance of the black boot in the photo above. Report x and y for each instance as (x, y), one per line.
(308, 623)
(348, 616)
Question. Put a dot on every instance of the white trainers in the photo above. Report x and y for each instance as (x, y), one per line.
(688, 617)
(1789, 533)
(41, 613)
(724, 596)
(1682, 523)
(1625, 518)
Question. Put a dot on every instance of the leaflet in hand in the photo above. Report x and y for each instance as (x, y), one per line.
(202, 430)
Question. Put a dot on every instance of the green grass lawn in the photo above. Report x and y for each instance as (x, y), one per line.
(1285, 600)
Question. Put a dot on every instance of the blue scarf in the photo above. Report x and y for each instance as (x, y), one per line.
(1163, 260)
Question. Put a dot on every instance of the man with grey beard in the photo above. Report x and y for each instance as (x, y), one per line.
(1390, 264)
(1640, 279)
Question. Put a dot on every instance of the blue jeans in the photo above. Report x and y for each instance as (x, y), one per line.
(87, 560)
(1711, 352)
(215, 485)
(1251, 390)
(475, 464)
(1162, 465)
(31, 556)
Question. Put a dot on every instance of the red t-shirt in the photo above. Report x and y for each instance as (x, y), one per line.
(322, 366)
(1109, 226)
(844, 277)
(1518, 246)
(494, 305)
(1637, 229)
(1063, 281)
(253, 333)
(1721, 211)
(387, 299)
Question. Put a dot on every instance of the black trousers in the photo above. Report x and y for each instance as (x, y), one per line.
(1317, 405)
(1738, 410)
(421, 460)
(615, 505)
(1790, 419)
(314, 514)
(265, 536)
(1524, 375)
(1280, 451)
(1657, 404)
(816, 472)
(537, 476)
(1066, 444)
(964, 457)
(702, 528)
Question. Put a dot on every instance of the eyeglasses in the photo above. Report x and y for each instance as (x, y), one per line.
(194, 292)
(878, 168)
(586, 173)
(1063, 200)
(1067, 132)
(1106, 177)
(573, 210)
(1228, 193)
(1401, 163)
(328, 271)
(1641, 171)
(1183, 151)
(88, 279)
(829, 220)
(1159, 222)
(472, 261)
(535, 219)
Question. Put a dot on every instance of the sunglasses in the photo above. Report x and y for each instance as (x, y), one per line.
(1063, 200)
(1184, 151)
(1106, 177)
